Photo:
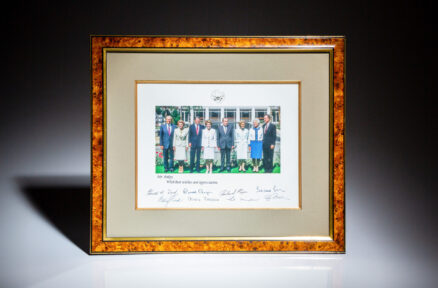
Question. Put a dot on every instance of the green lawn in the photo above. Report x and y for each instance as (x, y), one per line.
(160, 169)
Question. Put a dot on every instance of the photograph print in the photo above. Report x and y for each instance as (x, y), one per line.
(217, 139)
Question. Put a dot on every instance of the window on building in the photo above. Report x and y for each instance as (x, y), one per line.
(214, 114)
(230, 114)
(199, 113)
(245, 114)
(185, 114)
(260, 113)
(275, 114)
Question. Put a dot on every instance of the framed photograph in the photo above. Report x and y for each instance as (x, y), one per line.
(217, 144)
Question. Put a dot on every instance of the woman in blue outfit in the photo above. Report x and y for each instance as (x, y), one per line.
(256, 144)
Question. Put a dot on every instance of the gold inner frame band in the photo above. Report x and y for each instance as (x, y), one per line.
(293, 49)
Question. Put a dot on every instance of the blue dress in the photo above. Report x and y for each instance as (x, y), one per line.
(256, 146)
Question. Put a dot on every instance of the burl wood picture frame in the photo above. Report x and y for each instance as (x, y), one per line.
(104, 239)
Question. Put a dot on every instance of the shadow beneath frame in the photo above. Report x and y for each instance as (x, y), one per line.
(64, 201)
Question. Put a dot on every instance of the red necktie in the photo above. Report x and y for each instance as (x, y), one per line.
(168, 129)
(197, 130)
(266, 128)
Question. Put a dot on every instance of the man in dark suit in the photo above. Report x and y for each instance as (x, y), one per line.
(166, 143)
(225, 142)
(195, 139)
(269, 138)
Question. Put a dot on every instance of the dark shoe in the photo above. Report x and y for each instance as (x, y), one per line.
(165, 170)
(171, 170)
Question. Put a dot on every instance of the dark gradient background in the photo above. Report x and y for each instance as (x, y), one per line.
(390, 154)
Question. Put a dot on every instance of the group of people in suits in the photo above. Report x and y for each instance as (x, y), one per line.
(175, 142)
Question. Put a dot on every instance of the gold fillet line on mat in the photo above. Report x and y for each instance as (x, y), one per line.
(219, 82)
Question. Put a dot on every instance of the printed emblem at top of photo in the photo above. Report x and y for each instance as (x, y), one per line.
(217, 96)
